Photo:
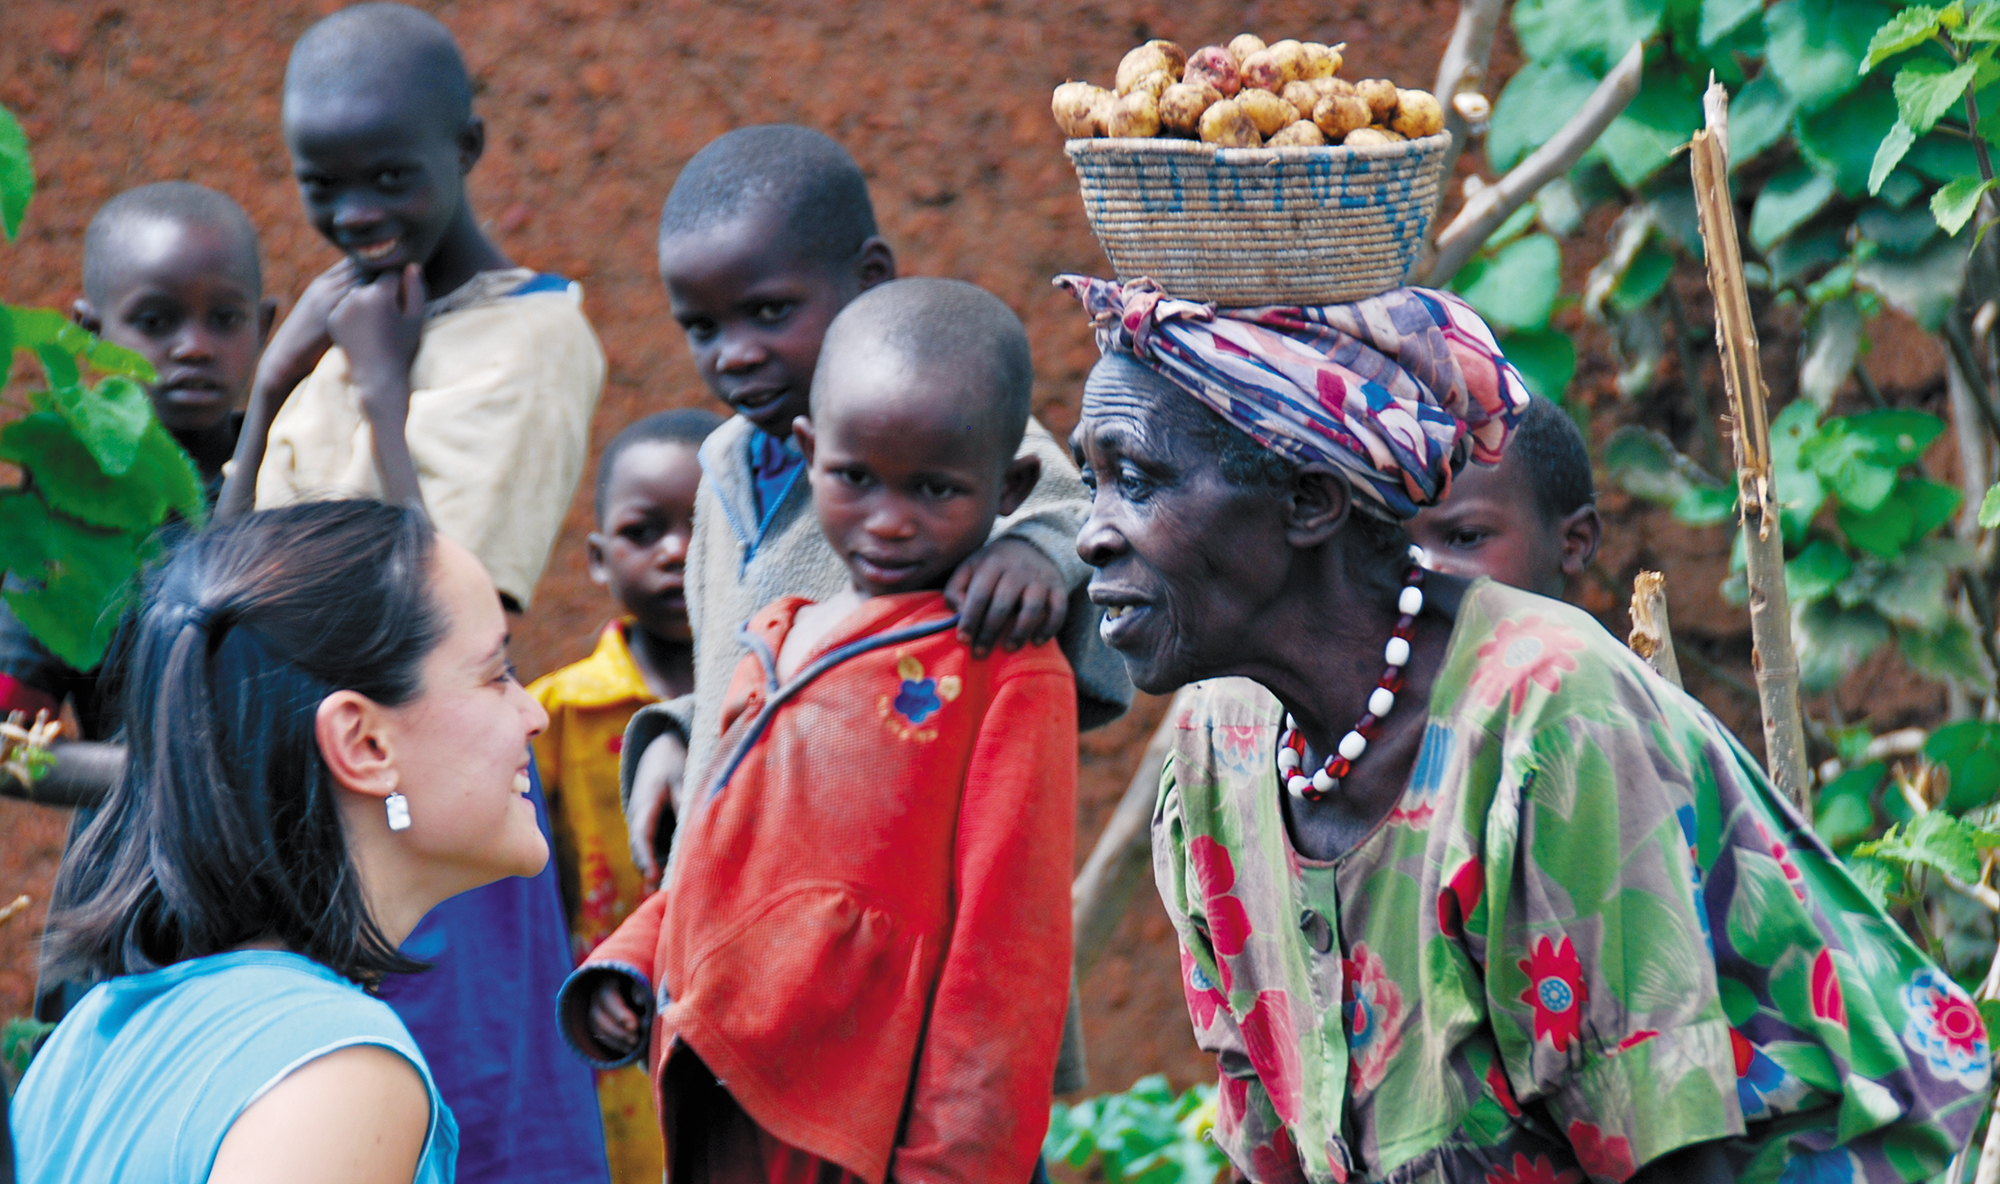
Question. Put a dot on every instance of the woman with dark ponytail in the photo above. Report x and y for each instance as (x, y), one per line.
(326, 740)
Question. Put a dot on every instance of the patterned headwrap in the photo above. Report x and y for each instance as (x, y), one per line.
(1396, 390)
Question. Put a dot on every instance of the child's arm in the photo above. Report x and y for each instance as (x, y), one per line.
(980, 1104)
(379, 327)
(1015, 591)
(615, 980)
(294, 351)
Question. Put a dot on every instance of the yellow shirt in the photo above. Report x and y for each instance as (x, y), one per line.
(589, 703)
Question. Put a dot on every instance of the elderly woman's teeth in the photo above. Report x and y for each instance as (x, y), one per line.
(1113, 612)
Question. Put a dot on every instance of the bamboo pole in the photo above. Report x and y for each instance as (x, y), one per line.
(1652, 636)
(1776, 662)
(1103, 891)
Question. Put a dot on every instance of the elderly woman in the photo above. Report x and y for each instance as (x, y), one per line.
(1465, 891)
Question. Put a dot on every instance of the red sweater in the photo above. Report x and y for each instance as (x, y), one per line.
(873, 905)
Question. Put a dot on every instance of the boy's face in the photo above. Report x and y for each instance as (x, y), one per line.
(382, 178)
(184, 296)
(639, 551)
(1492, 525)
(906, 485)
(755, 312)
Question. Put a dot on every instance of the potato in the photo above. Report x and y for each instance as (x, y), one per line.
(1322, 61)
(1176, 56)
(1217, 67)
(1182, 104)
(1472, 106)
(1139, 63)
(1417, 114)
(1334, 86)
(1244, 44)
(1338, 115)
(1269, 112)
(1136, 115)
(1261, 70)
(1291, 56)
(1303, 96)
(1075, 108)
(1302, 134)
(1380, 94)
(1153, 82)
(1363, 136)
(1225, 124)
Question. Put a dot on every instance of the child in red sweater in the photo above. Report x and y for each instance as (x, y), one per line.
(858, 965)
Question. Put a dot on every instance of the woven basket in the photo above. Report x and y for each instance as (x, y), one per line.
(1245, 227)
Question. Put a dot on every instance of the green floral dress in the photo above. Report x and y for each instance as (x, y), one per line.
(1590, 933)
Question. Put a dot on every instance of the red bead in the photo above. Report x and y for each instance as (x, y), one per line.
(1405, 629)
(1392, 680)
(1337, 767)
(1414, 576)
(1366, 726)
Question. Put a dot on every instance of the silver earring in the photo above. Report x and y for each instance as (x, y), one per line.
(399, 811)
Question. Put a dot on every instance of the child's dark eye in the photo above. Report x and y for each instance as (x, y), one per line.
(856, 478)
(392, 178)
(642, 535)
(698, 330)
(228, 319)
(936, 491)
(772, 313)
(152, 324)
(1467, 539)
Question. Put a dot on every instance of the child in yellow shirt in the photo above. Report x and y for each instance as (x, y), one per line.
(646, 482)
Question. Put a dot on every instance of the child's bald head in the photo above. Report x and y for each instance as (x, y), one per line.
(1531, 521)
(130, 231)
(372, 52)
(806, 187)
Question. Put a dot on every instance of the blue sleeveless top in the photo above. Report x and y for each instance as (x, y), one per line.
(144, 1077)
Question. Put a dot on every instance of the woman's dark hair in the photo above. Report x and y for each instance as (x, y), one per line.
(224, 828)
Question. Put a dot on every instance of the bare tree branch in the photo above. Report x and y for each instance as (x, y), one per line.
(1463, 68)
(1492, 205)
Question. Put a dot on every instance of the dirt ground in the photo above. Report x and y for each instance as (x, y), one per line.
(593, 105)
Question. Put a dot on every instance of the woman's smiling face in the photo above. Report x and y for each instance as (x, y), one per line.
(1185, 559)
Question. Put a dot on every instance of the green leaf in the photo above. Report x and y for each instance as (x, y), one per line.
(1909, 592)
(1858, 455)
(1841, 138)
(1643, 279)
(109, 420)
(1898, 437)
(1989, 508)
(116, 359)
(1881, 531)
(1932, 503)
(1545, 358)
(1719, 18)
(1970, 751)
(1759, 116)
(161, 476)
(1927, 88)
(1816, 47)
(1702, 506)
(1942, 157)
(1832, 641)
(1889, 154)
(1933, 840)
(1653, 126)
(1539, 99)
(1949, 652)
(1982, 26)
(1787, 201)
(1906, 30)
(17, 174)
(1646, 465)
(1833, 340)
(1922, 286)
(1902, 188)
(1846, 813)
(1900, 231)
(1816, 572)
(1517, 288)
(76, 608)
(1599, 31)
(58, 365)
(1798, 490)
(35, 326)
(1514, 227)
(1954, 205)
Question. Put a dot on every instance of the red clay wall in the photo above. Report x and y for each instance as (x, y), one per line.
(592, 107)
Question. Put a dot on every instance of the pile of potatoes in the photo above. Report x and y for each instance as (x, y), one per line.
(1246, 95)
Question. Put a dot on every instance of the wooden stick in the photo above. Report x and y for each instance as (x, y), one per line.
(1118, 864)
(1776, 662)
(1652, 637)
(1492, 205)
(1463, 68)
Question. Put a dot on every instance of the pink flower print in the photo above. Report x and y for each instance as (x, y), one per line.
(1204, 1001)
(1237, 744)
(1460, 896)
(1277, 1162)
(1600, 1158)
(1827, 1001)
(1941, 1024)
(1372, 1007)
(1273, 1046)
(1228, 922)
(1539, 1171)
(1555, 990)
(1636, 1039)
(1783, 855)
(1523, 652)
(1232, 1103)
(1503, 1092)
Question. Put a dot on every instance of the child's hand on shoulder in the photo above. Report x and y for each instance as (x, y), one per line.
(1007, 593)
(379, 325)
(302, 339)
(613, 1022)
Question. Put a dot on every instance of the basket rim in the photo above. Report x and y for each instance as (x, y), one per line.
(1175, 146)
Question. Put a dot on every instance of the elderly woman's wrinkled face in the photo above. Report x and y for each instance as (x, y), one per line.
(1185, 560)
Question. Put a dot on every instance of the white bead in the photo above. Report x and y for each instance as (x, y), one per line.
(1353, 745)
(1381, 701)
(1288, 760)
(1417, 555)
(1411, 602)
(1297, 784)
(1397, 652)
(1323, 781)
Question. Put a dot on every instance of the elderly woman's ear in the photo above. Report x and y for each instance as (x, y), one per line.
(1317, 505)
